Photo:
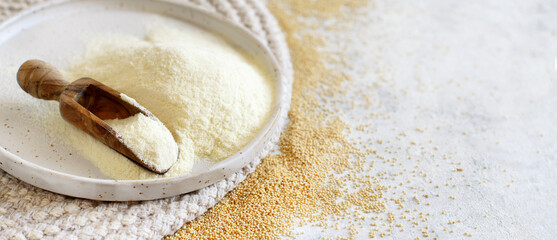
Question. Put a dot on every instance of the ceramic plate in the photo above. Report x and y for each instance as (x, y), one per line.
(55, 32)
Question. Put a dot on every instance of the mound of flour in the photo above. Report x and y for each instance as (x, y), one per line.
(212, 97)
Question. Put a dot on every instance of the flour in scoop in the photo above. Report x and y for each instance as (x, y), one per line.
(213, 98)
(148, 139)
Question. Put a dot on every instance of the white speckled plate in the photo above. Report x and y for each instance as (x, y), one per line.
(56, 31)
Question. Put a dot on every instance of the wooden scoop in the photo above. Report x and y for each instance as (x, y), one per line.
(84, 103)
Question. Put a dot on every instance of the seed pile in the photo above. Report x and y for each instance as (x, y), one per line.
(294, 183)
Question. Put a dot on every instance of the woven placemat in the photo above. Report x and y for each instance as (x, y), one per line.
(27, 212)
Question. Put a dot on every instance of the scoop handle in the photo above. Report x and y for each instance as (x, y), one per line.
(41, 80)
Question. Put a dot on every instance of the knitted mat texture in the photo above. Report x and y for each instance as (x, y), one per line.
(27, 212)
